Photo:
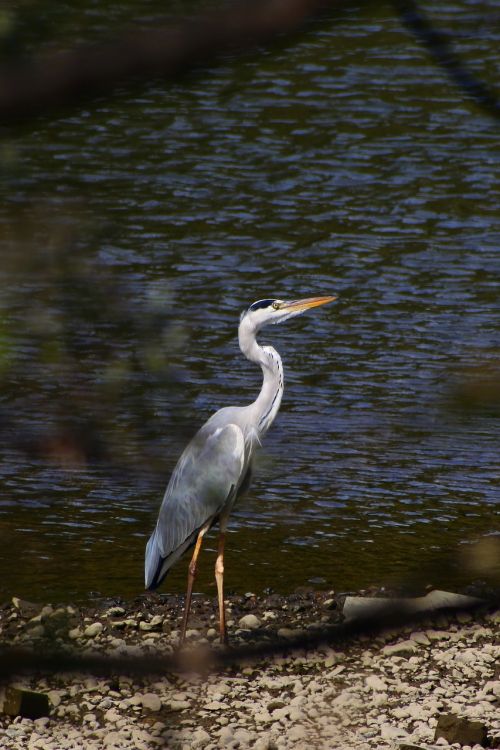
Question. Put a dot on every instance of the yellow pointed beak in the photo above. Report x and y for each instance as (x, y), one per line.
(299, 305)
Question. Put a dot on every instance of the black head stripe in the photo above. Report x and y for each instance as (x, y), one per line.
(261, 303)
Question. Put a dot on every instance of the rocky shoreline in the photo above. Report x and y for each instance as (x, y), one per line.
(434, 684)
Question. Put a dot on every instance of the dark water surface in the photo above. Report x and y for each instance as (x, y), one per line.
(343, 163)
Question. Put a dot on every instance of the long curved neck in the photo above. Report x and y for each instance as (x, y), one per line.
(267, 403)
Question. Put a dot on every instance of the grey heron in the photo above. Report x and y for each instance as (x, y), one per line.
(215, 468)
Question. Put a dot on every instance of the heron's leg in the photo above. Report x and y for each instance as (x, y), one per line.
(191, 577)
(219, 577)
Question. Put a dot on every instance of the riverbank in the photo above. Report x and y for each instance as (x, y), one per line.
(392, 690)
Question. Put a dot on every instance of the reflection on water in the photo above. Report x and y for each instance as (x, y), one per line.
(344, 164)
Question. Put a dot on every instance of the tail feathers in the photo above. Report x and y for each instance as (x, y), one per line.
(153, 564)
(156, 566)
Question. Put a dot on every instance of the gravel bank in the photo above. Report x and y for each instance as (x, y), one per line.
(383, 692)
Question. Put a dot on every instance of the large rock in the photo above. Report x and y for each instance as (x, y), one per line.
(26, 703)
(364, 607)
(454, 728)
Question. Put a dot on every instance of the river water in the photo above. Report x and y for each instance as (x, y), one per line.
(140, 225)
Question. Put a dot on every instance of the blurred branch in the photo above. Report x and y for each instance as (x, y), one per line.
(32, 87)
(441, 49)
(15, 661)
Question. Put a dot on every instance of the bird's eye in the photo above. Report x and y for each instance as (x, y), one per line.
(276, 305)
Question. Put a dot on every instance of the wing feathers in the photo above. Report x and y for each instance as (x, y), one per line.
(205, 479)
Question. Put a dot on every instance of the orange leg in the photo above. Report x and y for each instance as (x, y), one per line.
(191, 577)
(219, 577)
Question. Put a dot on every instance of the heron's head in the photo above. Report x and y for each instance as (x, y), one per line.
(271, 311)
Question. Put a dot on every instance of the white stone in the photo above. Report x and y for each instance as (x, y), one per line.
(249, 622)
(151, 701)
(178, 705)
(54, 697)
(215, 706)
(420, 637)
(263, 742)
(297, 733)
(243, 737)
(492, 686)
(437, 635)
(269, 615)
(91, 631)
(42, 722)
(280, 713)
(226, 736)
(112, 739)
(200, 738)
(296, 715)
(262, 717)
(115, 612)
(288, 633)
(375, 683)
(388, 732)
(112, 715)
(403, 647)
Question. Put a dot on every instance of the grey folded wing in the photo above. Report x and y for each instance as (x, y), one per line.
(205, 479)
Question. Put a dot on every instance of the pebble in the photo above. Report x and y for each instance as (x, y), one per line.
(225, 736)
(249, 622)
(420, 637)
(377, 693)
(401, 648)
(375, 683)
(115, 612)
(112, 716)
(93, 630)
(200, 738)
(215, 706)
(297, 733)
(151, 701)
(287, 633)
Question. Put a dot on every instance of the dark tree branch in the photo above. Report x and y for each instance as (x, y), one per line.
(34, 87)
(15, 661)
(441, 49)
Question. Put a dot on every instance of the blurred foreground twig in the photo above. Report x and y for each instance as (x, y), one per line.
(14, 661)
(30, 88)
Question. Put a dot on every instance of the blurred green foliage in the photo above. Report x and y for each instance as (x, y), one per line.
(77, 345)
